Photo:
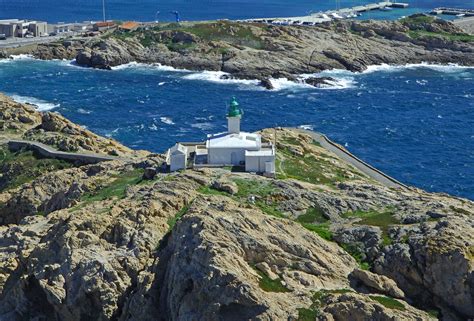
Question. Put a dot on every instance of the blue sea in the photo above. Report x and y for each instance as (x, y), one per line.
(414, 122)
(147, 10)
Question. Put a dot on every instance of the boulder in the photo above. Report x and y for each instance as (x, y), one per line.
(378, 283)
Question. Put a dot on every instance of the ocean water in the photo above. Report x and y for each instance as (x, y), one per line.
(416, 122)
(146, 10)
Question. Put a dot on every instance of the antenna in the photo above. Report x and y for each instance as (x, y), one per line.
(103, 9)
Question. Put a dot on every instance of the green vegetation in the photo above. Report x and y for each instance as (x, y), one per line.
(460, 210)
(356, 253)
(311, 313)
(464, 37)
(433, 313)
(269, 285)
(314, 220)
(309, 169)
(116, 189)
(24, 166)
(249, 187)
(418, 20)
(388, 302)
(209, 190)
(172, 220)
(383, 220)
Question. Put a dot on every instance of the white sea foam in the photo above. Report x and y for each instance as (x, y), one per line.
(83, 111)
(166, 120)
(219, 77)
(203, 126)
(41, 105)
(155, 66)
(307, 127)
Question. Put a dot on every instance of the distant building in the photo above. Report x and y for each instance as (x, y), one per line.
(61, 27)
(232, 148)
(177, 157)
(103, 26)
(129, 26)
(22, 28)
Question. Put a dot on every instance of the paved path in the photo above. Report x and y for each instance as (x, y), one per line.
(345, 155)
(48, 151)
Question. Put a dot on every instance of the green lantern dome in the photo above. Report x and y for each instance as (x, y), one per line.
(235, 110)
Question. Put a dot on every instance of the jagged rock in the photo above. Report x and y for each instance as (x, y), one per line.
(267, 84)
(320, 81)
(379, 283)
(225, 185)
(150, 173)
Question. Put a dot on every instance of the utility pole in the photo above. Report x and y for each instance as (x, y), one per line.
(103, 9)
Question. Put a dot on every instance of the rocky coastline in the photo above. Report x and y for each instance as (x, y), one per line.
(263, 52)
(122, 240)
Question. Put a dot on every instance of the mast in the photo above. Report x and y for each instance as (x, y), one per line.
(103, 9)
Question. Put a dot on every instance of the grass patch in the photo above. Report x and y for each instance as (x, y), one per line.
(321, 229)
(314, 221)
(209, 190)
(116, 189)
(172, 220)
(249, 187)
(356, 253)
(463, 37)
(309, 169)
(269, 285)
(459, 210)
(383, 220)
(418, 19)
(24, 166)
(388, 302)
(269, 209)
(311, 313)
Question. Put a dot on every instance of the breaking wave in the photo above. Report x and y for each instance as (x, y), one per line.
(41, 105)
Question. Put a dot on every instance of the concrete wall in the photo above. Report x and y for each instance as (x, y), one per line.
(38, 29)
(177, 162)
(223, 156)
(258, 164)
(48, 152)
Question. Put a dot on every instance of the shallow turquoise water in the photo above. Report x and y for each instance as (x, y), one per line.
(416, 123)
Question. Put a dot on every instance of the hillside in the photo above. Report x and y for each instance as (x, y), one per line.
(321, 241)
(260, 51)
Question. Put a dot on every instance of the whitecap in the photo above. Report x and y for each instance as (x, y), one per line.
(203, 126)
(307, 127)
(41, 105)
(220, 77)
(154, 66)
(83, 111)
(153, 127)
(162, 83)
(166, 120)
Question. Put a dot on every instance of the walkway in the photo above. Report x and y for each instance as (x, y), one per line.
(49, 152)
(345, 155)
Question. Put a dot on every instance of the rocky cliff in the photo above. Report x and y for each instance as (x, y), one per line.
(259, 51)
(121, 240)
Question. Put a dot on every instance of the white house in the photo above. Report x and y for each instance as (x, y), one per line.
(177, 157)
(232, 148)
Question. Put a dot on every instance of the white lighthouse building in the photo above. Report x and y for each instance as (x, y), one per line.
(232, 148)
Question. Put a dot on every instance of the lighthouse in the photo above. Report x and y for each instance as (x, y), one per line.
(234, 117)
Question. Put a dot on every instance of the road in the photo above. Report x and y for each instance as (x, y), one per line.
(19, 42)
(345, 155)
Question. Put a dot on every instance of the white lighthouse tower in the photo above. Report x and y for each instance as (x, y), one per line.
(234, 117)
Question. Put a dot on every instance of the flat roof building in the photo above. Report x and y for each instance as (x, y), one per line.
(22, 28)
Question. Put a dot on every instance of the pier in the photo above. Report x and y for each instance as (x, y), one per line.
(454, 12)
(320, 17)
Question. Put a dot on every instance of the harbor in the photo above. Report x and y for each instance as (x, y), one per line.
(326, 16)
(459, 12)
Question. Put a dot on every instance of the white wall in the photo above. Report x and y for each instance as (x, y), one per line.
(177, 162)
(223, 156)
(258, 163)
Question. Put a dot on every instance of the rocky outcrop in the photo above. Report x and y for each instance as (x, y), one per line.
(23, 121)
(252, 51)
(122, 240)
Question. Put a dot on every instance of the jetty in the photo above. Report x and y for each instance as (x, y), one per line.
(326, 16)
(453, 12)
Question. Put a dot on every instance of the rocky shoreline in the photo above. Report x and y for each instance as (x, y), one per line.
(256, 51)
(121, 240)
